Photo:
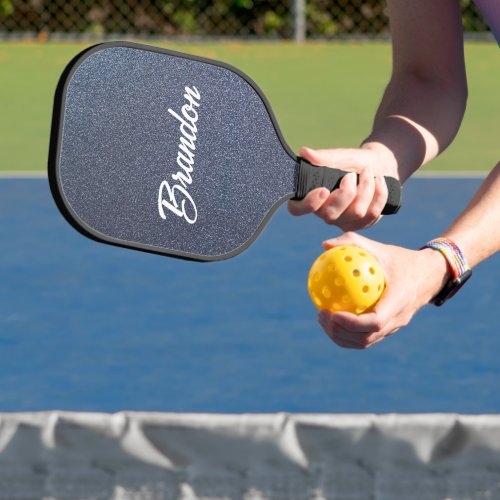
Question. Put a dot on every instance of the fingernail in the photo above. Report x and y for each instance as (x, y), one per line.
(324, 194)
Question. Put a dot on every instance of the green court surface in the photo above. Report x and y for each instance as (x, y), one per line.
(323, 94)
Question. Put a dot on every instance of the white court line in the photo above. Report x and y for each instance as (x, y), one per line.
(23, 175)
(453, 174)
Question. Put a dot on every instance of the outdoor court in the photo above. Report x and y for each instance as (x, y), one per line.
(89, 327)
(255, 401)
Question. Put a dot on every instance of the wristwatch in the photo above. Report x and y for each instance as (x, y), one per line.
(460, 270)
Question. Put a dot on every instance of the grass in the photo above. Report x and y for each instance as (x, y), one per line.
(323, 94)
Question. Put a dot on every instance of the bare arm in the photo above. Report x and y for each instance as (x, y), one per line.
(424, 102)
(418, 117)
(477, 230)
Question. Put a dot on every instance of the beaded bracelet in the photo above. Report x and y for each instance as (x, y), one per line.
(460, 269)
(452, 254)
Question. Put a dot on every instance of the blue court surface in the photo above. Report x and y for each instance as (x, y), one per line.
(90, 327)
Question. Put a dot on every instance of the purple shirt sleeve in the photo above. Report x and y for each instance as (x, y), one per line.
(490, 9)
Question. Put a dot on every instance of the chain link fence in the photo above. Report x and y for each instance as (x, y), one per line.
(284, 19)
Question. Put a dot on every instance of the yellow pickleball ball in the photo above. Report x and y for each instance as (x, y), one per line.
(346, 278)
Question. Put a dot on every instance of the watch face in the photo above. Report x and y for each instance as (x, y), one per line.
(451, 288)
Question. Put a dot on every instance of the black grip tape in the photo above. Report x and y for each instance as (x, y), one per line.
(312, 177)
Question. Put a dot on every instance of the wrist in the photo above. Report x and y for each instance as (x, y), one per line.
(437, 272)
(386, 156)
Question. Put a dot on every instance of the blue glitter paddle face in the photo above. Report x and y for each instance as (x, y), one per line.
(169, 153)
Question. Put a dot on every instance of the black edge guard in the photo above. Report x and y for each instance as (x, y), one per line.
(312, 177)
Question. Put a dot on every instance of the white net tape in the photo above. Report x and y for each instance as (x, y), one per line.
(160, 456)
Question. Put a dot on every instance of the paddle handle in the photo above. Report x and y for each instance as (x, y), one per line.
(312, 177)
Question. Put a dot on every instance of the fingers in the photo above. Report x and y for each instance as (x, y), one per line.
(355, 332)
(340, 338)
(366, 210)
(350, 159)
(335, 205)
(364, 195)
(354, 205)
(407, 290)
(316, 198)
(352, 238)
(310, 204)
(380, 196)
(366, 206)
(368, 323)
(312, 156)
(320, 157)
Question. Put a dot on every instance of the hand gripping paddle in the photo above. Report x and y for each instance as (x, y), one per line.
(173, 154)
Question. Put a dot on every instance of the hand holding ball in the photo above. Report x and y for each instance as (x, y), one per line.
(346, 278)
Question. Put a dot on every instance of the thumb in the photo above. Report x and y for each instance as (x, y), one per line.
(311, 155)
(349, 238)
(352, 159)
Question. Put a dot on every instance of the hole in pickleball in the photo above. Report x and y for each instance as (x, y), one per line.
(337, 306)
(348, 258)
(326, 292)
(317, 300)
(339, 281)
(379, 287)
(317, 276)
(366, 289)
(356, 273)
(360, 309)
(346, 299)
(363, 254)
(372, 270)
(330, 268)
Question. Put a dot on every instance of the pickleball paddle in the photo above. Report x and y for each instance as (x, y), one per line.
(171, 153)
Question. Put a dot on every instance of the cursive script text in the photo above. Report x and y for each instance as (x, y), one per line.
(176, 197)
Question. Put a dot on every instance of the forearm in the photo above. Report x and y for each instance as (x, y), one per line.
(424, 103)
(416, 120)
(477, 230)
